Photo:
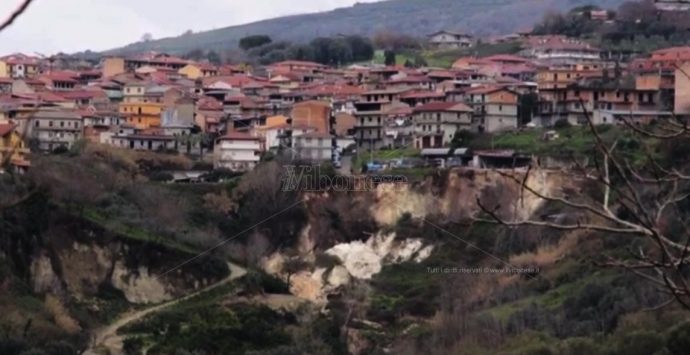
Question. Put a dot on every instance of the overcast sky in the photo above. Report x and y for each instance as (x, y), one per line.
(51, 26)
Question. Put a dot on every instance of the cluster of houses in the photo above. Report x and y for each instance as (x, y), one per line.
(234, 114)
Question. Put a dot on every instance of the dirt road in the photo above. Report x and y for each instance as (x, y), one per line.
(107, 337)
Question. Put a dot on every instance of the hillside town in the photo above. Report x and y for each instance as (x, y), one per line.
(233, 115)
(451, 177)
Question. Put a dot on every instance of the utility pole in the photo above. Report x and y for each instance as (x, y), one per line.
(335, 155)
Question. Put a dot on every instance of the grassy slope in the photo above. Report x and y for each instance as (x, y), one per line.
(446, 58)
(576, 140)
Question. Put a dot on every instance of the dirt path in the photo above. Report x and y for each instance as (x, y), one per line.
(107, 337)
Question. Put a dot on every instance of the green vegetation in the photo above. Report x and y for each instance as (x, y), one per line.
(638, 27)
(134, 233)
(250, 42)
(444, 58)
(575, 141)
(210, 328)
(335, 51)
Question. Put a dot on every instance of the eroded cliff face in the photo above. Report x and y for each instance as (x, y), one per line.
(454, 195)
(356, 260)
(81, 266)
(82, 269)
(363, 242)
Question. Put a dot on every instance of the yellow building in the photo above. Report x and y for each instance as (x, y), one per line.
(198, 70)
(12, 147)
(142, 114)
(19, 65)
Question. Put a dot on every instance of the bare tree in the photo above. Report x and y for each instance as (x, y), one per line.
(634, 202)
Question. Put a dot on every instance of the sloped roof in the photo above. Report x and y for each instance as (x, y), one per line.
(6, 128)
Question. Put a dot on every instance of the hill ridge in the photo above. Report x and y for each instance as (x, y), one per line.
(413, 17)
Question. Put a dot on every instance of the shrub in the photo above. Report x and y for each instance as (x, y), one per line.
(218, 175)
(326, 261)
(641, 342)
(78, 147)
(202, 165)
(60, 150)
(11, 346)
(577, 346)
(60, 348)
(161, 176)
(260, 282)
(678, 340)
(561, 124)
(133, 346)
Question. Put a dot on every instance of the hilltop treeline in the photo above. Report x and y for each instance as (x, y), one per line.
(638, 25)
(332, 51)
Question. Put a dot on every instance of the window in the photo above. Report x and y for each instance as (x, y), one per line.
(50, 124)
(500, 108)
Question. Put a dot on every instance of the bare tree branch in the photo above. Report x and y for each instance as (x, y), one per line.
(15, 14)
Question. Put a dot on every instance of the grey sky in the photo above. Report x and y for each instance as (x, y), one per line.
(50, 26)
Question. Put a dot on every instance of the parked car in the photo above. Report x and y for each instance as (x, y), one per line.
(374, 167)
(453, 162)
(409, 163)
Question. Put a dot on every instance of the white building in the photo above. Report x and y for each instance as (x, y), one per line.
(448, 39)
(237, 151)
(313, 146)
(275, 136)
(55, 128)
(560, 50)
(436, 123)
(672, 5)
